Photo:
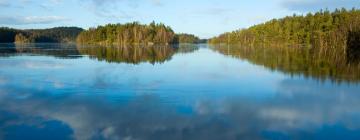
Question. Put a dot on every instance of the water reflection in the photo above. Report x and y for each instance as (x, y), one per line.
(117, 54)
(298, 111)
(318, 63)
(135, 54)
(57, 50)
(196, 94)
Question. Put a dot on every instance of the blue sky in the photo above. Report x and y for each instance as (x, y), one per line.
(205, 18)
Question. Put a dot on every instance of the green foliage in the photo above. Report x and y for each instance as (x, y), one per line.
(353, 47)
(321, 29)
(7, 35)
(129, 33)
(52, 35)
(186, 38)
(58, 34)
(21, 38)
(327, 44)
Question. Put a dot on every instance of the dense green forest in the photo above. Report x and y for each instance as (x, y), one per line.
(7, 35)
(111, 34)
(186, 38)
(129, 33)
(321, 45)
(353, 46)
(51, 35)
(320, 29)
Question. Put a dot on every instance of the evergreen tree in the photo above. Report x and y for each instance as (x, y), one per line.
(129, 33)
(321, 29)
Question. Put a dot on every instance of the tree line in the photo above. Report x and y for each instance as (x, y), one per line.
(134, 33)
(129, 33)
(110, 34)
(186, 38)
(320, 29)
(51, 35)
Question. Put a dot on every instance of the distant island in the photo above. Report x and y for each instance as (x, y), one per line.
(52, 35)
(111, 34)
(187, 38)
(134, 33)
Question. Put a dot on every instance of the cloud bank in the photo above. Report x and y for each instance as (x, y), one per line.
(315, 5)
(11, 20)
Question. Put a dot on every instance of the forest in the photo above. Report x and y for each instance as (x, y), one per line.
(186, 38)
(129, 33)
(51, 35)
(110, 34)
(134, 34)
(325, 28)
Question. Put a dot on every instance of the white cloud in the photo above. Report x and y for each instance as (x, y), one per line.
(157, 2)
(316, 5)
(55, 1)
(11, 20)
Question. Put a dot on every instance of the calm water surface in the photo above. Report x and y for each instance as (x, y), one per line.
(192, 92)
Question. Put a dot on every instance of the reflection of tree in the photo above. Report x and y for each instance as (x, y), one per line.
(186, 48)
(7, 50)
(56, 50)
(49, 49)
(318, 63)
(129, 54)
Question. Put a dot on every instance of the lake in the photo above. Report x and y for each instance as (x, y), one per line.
(190, 92)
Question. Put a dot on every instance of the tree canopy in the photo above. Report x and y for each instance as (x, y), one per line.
(129, 33)
(320, 29)
(51, 35)
(186, 38)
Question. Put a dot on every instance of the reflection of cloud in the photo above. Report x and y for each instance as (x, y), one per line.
(32, 64)
(315, 5)
(4, 3)
(145, 117)
(3, 80)
(40, 65)
(58, 84)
